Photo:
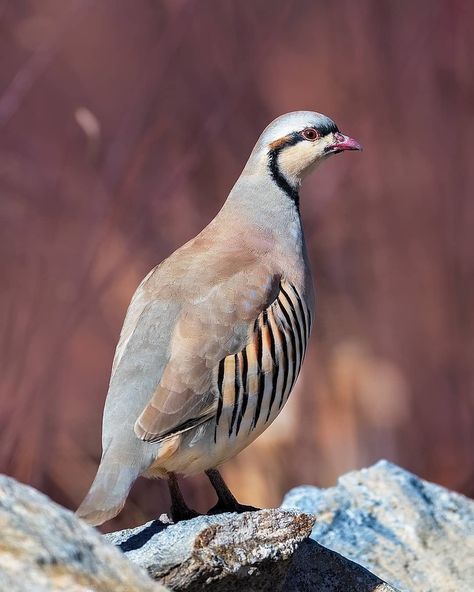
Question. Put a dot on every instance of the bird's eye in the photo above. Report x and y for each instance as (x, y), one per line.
(310, 133)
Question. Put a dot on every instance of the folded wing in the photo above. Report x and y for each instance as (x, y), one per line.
(211, 326)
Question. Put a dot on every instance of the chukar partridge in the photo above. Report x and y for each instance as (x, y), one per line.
(215, 335)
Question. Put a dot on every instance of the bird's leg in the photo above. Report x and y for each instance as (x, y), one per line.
(179, 509)
(226, 501)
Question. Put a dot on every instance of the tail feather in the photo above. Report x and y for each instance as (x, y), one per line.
(108, 492)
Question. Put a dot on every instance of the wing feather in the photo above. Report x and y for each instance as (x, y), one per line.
(208, 329)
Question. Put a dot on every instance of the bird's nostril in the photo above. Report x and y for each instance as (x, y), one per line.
(339, 137)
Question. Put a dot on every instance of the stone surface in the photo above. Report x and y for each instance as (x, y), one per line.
(249, 551)
(415, 535)
(255, 551)
(45, 548)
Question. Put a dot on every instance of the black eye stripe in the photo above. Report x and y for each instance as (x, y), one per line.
(323, 129)
(291, 140)
(295, 137)
(327, 128)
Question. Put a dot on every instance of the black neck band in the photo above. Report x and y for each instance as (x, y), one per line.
(276, 174)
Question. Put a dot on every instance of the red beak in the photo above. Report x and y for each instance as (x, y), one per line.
(342, 143)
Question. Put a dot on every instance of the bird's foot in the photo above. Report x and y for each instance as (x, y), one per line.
(182, 513)
(220, 508)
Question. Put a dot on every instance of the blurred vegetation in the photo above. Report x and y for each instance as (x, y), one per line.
(123, 126)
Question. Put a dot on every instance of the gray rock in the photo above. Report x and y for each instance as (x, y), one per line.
(45, 548)
(256, 551)
(415, 535)
(249, 551)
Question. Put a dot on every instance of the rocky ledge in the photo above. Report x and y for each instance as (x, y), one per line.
(255, 551)
(415, 536)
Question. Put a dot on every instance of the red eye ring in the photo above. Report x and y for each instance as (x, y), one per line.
(309, 133)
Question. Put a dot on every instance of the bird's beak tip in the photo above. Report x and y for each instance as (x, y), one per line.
(346, 143)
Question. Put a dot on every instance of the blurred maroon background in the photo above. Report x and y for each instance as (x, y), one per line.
(123, 126)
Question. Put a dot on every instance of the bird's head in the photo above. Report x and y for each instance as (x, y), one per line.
(295, 143)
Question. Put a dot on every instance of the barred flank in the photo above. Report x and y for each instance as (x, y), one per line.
(266, 370)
